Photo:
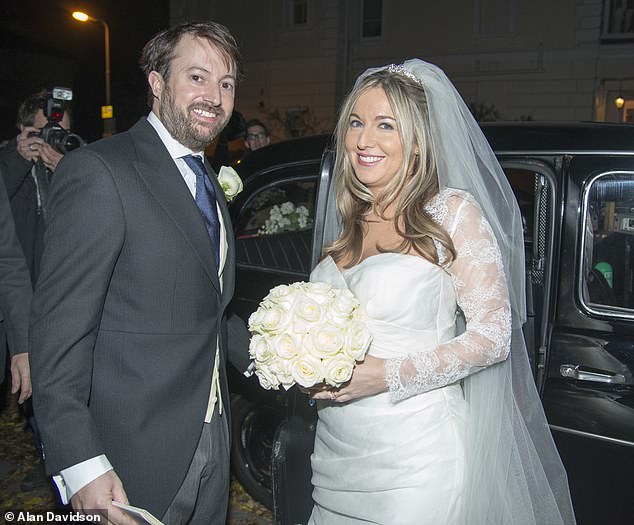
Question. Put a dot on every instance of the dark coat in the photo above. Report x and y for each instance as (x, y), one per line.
(15, 286)
(22, 192)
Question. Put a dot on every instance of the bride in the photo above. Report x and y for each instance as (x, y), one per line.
(441, 423)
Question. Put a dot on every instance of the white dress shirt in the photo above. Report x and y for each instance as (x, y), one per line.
(74, 478)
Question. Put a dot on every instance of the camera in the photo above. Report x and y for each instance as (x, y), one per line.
(53, 133)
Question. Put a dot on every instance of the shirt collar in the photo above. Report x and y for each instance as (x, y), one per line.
(175, 148)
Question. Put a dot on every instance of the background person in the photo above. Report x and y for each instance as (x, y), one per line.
(257, 135)
(129, 337)
(26, 164)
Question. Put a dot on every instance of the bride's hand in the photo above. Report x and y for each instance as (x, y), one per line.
(367, 379)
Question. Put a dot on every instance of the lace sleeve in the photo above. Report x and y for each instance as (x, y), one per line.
(480, 285)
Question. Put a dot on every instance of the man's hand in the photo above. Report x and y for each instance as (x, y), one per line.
(21, 376)
(99, 494)
(368, 378)
(29, 147)
(49, 156)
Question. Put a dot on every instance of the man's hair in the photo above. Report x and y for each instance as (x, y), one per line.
(255, 122)
(158, 53)
(32, 104)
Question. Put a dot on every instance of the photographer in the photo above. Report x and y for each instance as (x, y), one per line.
(26, 164)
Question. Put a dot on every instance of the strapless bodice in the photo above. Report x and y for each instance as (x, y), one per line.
(409, 301)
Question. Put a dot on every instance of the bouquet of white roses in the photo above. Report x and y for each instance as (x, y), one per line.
(307, 333)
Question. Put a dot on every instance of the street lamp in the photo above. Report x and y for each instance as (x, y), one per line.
(106, 111)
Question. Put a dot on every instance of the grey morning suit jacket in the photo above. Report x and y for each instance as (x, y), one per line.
(126, 315)
(15, 286)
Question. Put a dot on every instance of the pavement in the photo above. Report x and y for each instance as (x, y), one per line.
(25, 487)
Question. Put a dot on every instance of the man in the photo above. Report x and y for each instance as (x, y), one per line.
(26, 163)
(129, 340)
(15, 299)
(257, 135)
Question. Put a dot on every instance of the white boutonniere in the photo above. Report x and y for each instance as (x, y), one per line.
(230, 182)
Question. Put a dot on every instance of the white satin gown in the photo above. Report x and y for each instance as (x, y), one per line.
(398, 458)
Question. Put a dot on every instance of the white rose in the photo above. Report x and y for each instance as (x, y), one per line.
(342, 308)
(260, 349)
(282, 295)
(307, 370)
(337, 369)
(357, 340)
(286, 346)
(326, 340)
(308, 309)
(267, 378)
(255, 320)
(275, 319)
(283, 370)
(319, 292)
(230, 182)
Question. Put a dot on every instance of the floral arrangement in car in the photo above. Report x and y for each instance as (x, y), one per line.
(286, 217)
(306, 334)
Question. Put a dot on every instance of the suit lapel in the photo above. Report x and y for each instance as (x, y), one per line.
(162, 178)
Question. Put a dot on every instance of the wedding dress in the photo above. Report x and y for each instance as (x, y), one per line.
(398, 458)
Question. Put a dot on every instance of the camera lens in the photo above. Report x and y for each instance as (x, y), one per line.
(70, 142)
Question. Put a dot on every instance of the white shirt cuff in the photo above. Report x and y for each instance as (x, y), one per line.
(74, 478)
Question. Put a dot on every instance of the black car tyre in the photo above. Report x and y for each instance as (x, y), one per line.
(253, 427)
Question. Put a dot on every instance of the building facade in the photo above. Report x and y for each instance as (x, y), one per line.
(510, 59)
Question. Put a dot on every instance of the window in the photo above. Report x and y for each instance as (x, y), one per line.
(495, 17)
(607, 258)
(534, 193)
(274, 229)
(372, 18)
(299, 15)
(618, 19)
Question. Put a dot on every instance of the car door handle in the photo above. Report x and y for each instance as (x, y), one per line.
(590, 374)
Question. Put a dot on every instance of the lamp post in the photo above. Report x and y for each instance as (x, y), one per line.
(106, 111)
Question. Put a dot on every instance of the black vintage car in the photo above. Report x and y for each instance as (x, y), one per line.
(575, 188)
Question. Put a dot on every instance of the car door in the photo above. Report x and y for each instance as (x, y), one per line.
(294, 440)
(273, 222)
(588, 392)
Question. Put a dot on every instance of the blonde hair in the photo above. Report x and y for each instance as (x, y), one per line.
(410, 190)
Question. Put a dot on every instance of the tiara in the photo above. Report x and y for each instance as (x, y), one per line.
(400, 70)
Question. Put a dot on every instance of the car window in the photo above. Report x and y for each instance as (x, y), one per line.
(274, 228)
(283, 207)
(607, 258)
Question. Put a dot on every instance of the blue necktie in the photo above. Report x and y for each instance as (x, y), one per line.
(206, 201)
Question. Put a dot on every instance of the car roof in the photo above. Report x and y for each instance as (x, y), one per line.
(288, 152)
(504, 137)
(559, 137)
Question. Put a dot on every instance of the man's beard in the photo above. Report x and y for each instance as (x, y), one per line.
(184, 128)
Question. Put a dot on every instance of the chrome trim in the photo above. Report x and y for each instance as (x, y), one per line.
(592, 436)
(606, 312)
(579, 373)
(321, 202)
(566, 152)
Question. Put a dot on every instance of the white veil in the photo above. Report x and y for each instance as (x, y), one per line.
(513, 472)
